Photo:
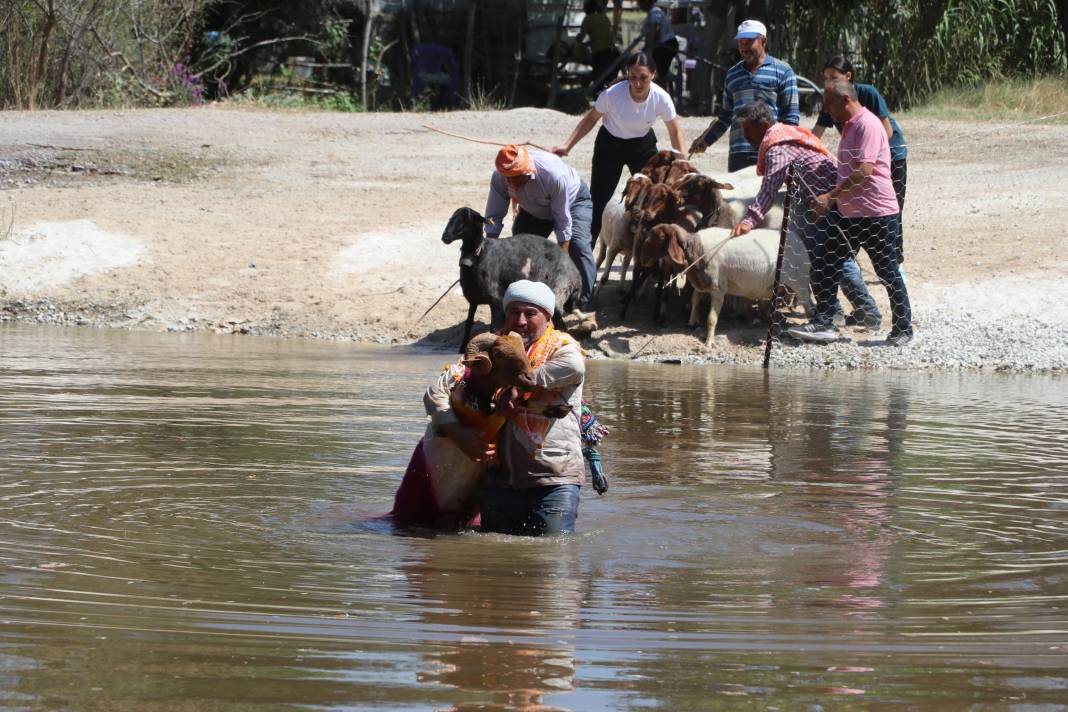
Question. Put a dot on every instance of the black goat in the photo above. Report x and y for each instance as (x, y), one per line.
(488, 266)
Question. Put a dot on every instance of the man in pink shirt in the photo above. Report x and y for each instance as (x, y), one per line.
(870, 216)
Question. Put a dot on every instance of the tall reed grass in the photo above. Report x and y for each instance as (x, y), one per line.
(911, 49)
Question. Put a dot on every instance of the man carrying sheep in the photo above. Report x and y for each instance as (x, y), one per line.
(549, 196)
(536, 466)
(869, 210)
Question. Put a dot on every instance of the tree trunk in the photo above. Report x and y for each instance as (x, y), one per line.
(37, 80)
(363, 54)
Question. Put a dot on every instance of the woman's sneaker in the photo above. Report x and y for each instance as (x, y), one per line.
(814, 333)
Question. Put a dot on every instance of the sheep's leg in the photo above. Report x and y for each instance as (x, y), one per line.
(601, 251)
(658, 317)
(695, 310)
(607, 270)
(471, 309)
(623, 272)
(639, 277)
(713, 315)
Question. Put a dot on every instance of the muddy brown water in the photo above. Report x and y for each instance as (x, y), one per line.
(186, 525)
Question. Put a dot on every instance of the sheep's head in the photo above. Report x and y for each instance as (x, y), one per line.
(501, 359)
(660, 160)
(660, 204)
(660, 242)
(465, 224)
(677, 170)
(702, 193)
(632, 191)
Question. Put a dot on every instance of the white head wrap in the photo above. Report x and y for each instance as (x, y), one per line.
(528, 292)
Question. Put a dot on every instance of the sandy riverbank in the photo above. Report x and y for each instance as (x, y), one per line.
(328, 226)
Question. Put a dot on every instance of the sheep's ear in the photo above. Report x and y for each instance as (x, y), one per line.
(675, 251)
(722, 186)
(479, 364)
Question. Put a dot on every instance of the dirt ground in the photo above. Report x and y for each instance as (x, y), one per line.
(328, 225)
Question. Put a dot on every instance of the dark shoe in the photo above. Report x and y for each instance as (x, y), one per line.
(862, 318)
(899, 339)
(814, 333)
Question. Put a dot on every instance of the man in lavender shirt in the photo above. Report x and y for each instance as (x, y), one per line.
(551, 198)
(870, 215)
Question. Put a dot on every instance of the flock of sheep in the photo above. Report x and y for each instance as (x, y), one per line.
(672, 221)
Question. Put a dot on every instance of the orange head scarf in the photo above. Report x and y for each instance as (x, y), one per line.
(514, 160)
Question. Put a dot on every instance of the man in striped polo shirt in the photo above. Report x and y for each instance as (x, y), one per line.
(758, 77)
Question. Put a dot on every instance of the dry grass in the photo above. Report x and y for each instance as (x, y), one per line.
(1003, 100)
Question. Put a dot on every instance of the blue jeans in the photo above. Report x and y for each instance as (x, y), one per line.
(853, 287)
(537, 511)
(581, 249)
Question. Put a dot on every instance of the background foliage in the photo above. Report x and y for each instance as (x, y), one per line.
(87, 53)
(912, 48)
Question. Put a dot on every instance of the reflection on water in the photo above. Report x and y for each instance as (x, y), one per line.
(188, 523)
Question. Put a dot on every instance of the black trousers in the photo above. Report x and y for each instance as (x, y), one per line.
(899, 176)
(610, 154)
(877, 236)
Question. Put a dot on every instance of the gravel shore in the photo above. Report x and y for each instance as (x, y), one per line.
(316, 225)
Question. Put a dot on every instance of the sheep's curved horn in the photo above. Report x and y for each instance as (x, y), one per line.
(479, 343)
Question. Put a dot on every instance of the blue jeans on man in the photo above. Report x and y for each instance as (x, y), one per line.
(536, 511)
(581, 249)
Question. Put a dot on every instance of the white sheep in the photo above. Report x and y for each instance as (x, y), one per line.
(743, 266)
(617, 229)
(795, 264)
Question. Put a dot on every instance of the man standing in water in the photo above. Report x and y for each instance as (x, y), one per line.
(536, 466)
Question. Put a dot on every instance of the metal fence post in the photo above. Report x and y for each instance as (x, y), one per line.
(775, 326)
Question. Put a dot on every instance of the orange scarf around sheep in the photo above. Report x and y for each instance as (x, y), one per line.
(787, 133)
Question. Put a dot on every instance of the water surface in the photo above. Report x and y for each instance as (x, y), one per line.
(187, 523)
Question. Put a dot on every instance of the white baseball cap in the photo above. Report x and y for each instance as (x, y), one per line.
(751, 29)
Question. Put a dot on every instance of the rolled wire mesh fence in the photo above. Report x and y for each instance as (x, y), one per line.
(821, 295)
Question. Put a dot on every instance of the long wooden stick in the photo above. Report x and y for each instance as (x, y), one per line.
(436, 303)
(479, 140)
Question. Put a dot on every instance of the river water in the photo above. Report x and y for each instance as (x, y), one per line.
(187, 523)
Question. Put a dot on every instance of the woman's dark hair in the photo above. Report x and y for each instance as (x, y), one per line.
(840, 64)
(591, 6)
(641, 59)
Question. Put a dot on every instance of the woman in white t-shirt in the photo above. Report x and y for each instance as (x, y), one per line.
(629, 110)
